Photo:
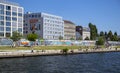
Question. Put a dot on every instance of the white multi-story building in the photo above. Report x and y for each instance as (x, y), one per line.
(11, 18)
(47, 26)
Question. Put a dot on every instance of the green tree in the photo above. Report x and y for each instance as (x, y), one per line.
(72, 38)
(93, 31)
(102, 33)
(114, 37)
(115, 34)
(87, 38)
(60, 38)
(16, 36)
(118, 39)
(100, 41)
(106, 36)
(32, 37)
(110, 35)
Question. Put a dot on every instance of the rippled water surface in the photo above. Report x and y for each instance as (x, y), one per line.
(79, 63)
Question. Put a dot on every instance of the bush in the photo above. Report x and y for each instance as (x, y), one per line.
(65, 50)
(100, 41)
(32, 37)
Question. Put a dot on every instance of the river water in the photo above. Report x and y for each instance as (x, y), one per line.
(79, 63)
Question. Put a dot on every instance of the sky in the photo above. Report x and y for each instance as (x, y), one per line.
(105, 14)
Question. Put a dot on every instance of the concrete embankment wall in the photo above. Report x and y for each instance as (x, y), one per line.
(29, 53)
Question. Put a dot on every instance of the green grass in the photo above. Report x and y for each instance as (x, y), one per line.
(117, 46)
(3, 48)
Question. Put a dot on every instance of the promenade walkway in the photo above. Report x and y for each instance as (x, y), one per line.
(29, 53)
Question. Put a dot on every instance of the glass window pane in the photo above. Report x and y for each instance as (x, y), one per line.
(1, 17)
(8, 18)
(1, 34)
(8, 8)
(8, 24)
(20, 10)
(1, 23)
(19, 29)
(14, 18)
(8, 13)
(20, 14)
(19, 19)
(14, 29)
(14, 24)
(14, 13)
(1, 12)
(14, 9)
(1, 7)
(8, 29)
(19, 24)
(1, 28)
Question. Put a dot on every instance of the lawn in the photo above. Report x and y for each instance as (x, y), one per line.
(2, 48)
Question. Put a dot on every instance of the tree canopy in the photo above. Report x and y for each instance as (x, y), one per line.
(16, 36)
(32, 37)
(100, 41)
(93, 31)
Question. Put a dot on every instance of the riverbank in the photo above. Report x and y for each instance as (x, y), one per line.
(29, 53)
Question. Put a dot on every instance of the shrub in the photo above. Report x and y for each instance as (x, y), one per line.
(65, 50)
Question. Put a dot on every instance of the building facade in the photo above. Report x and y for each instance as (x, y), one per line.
(47, 26)
(82, 33)
(69, 30)
(11, 18)
(85, 33)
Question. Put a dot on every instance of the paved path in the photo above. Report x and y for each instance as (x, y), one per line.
(27, 53)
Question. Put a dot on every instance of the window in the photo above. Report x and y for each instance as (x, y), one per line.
(8, 24)
(14, 18)
(14, 29)
(19, 19)
(14, 24)
(32, 16)
(8, 29)
(29, 15)
(1, 28)
(26, 32)
(1, 23)
(14, 9)
(8, 13)
(20, 14)
(19, 29)
(8, 18)
(39, 26)
(1, 17)
(1, 11)
(14, 13)
(8, 8)
(1, 7)
(1, 34)
(19, 24)
(7, 34)
(20, 10)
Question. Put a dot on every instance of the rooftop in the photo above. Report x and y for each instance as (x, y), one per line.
(66, 21)
(8, 2)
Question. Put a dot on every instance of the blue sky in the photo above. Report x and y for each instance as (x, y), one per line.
(105, 14)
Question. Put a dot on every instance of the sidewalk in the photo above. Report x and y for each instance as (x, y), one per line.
(29, 53)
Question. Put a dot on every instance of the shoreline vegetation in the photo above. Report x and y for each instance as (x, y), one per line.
(15, 52)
